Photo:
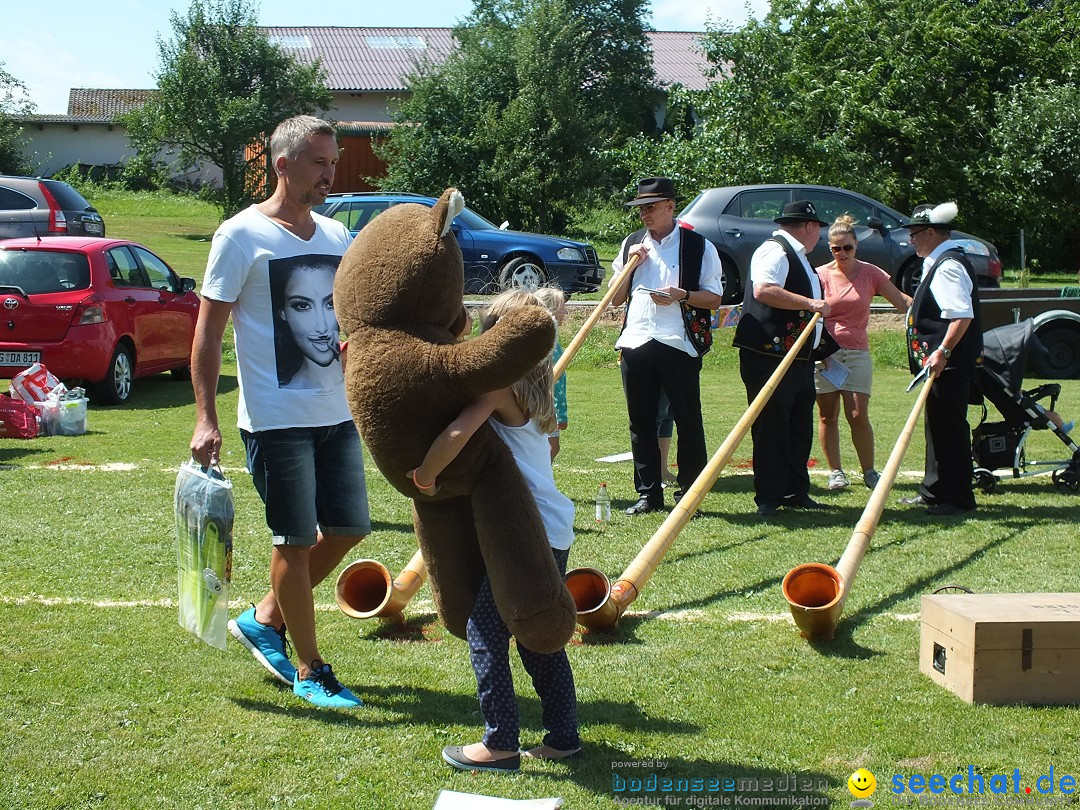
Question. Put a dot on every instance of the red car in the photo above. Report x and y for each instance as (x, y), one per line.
(100, 311)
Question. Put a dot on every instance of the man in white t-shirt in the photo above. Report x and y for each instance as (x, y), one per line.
(271, 268)
(677, 267)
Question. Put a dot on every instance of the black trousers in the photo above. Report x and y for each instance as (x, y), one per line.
(783, 433)
(949, 468)
(646, 371)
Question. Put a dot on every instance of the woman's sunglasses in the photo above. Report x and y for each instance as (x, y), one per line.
(841, 248)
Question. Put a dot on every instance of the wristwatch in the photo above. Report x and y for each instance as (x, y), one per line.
(944, 351)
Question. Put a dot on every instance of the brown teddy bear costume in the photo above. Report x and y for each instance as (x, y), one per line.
(398, 297)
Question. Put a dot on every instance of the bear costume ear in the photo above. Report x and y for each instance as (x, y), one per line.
(450, 204)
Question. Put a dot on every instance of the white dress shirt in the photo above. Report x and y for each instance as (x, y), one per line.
(646, 320)
(951, 284)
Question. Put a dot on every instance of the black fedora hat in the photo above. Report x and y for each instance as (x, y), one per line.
(652, 189)
(800, 211)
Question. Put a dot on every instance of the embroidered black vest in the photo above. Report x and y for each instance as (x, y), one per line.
(773, 331)
(926, 328)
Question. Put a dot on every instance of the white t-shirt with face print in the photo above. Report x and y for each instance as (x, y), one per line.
(286, 334)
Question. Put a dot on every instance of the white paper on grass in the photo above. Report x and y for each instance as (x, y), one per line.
(617, 457)
(835, 372)
(452, 800)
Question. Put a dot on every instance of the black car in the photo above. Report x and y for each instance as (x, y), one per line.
(737, 219)
(35, 206)
(495, 258)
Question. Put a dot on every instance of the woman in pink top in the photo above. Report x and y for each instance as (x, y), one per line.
(849, 285)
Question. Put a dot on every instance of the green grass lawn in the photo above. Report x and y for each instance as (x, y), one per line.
(109, 704)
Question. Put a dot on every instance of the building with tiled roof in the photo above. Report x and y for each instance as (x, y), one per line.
(367, 68)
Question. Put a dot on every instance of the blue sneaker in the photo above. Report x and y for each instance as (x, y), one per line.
(322, 688)
(266, 643)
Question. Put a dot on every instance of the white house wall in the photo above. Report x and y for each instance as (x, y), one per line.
(50, 147)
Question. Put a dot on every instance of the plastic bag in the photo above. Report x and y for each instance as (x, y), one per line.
(204, 522)
(33, 384)
(17, 419)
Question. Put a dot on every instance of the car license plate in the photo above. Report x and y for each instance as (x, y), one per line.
(93, 227)
(19, 358)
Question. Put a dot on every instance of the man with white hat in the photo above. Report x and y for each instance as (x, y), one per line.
(944, 336)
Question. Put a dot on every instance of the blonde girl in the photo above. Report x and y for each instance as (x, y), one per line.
(522, 415)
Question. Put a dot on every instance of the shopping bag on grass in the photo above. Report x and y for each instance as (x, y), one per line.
(204, 522)
(18, 420)
(33, 384)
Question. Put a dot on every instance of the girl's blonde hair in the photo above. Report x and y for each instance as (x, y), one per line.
(844, 225)
(534, 391)
(550, 298)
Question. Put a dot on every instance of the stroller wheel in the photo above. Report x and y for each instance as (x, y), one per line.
(985, 480)
(1066, 480)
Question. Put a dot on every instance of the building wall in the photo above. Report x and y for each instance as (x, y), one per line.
(362, 107)
(50, 147)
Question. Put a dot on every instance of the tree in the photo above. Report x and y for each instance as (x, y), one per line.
(13, 101)
(1033, 166)
(221, 85)
(898, 99)
(523, 115)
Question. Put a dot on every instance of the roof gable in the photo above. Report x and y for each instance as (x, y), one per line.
(360, 59)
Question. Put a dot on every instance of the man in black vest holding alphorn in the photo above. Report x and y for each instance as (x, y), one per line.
(782, 296)
(679, 276)
(944, 334)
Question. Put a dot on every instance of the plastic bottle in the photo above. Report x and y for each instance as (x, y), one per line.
(603, 504)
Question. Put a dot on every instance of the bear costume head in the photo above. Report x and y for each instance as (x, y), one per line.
(398, 297)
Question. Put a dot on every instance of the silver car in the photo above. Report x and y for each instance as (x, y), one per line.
(737, 219)
(35, 206)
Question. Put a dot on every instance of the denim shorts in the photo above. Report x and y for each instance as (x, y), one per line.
(309, 479)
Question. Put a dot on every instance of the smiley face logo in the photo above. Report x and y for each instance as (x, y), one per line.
(862, 784)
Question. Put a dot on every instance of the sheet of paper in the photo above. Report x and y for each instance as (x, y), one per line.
(835, 372)
(617, 457)
(452, 800)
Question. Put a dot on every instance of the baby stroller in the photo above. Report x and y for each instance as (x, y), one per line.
(1001, 445)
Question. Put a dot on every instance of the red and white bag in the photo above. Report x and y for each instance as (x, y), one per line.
(18, 420)
(33, 384)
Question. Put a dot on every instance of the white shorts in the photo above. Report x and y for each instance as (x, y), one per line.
(860, 373)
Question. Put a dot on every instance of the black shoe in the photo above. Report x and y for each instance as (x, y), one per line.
(766, 510)
(918, 500)
(453, 755)
(804, 502)
(644, 506)
(945, 510)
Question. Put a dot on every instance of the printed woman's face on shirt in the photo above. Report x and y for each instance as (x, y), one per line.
(309, 313)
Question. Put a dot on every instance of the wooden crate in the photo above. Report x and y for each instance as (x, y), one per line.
(1003, 647)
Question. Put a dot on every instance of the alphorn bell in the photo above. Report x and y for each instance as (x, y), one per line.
(816, 592)
(600, 605)
(594, 316)
(365, 589)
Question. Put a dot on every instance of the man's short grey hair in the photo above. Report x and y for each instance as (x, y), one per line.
(291, 135)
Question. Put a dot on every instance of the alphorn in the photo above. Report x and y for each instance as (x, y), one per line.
(365, 589)
(816, 592)
(600, 604)
(594, 316)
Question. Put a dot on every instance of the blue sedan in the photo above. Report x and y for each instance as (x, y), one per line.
(495, 258)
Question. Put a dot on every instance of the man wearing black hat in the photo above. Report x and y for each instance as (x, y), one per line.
(678, 272)
(783, 294)
(945, 336)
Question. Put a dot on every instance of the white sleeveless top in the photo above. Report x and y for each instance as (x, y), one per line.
(532, 452)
